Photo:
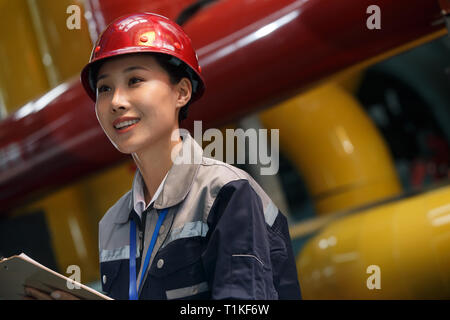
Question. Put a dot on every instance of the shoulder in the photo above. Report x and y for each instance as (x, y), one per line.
(116, 211)
(220, 173)
(217, 174)
(223, 179)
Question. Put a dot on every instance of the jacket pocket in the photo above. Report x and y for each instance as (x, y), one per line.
(178, 271)
(177, 256)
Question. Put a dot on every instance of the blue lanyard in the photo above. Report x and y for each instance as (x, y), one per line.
(133, 292)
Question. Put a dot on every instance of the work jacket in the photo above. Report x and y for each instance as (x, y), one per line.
(222, 237)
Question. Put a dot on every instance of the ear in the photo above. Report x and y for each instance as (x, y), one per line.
(184, 92)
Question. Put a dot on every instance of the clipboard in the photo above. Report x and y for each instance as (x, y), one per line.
(20, 270)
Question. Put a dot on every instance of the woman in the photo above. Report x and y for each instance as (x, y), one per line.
(187, 229)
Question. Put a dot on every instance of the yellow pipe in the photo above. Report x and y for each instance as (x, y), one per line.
(346, 75)
(408, 240)
(66, 50)
(22, 74)
(72, 235)
(73, 213)
(34, 49)
(335, 147)
(51, 72)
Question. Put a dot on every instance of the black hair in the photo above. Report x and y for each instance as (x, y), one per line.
(175, 68)
(176, 73)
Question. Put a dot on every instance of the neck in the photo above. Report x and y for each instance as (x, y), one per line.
(154, 162)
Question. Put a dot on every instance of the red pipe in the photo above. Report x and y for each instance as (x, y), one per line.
(253, 54)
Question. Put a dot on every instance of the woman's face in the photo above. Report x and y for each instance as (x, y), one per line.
(136, 102)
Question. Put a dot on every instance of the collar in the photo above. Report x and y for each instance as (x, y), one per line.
(178, 180)
(139, 204)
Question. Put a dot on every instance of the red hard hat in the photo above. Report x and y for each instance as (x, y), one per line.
(144, 32)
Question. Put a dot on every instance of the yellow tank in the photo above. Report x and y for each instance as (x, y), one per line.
(397, 250)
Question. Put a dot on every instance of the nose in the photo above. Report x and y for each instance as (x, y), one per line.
(119, 101)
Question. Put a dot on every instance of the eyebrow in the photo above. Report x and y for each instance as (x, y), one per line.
(125, 70)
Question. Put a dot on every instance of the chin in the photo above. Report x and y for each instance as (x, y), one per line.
(125, 149)
(134, 145)
(126, 146)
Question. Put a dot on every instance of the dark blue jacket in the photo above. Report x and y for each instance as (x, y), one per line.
(222, 238)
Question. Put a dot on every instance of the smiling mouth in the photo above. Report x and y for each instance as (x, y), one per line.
(125, 124)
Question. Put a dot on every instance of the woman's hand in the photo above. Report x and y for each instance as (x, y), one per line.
(35, 294)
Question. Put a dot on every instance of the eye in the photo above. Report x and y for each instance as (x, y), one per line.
(134, 80)
(103, 88)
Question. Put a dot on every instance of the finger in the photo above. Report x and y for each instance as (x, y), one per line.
(25, 295)
(61, 295)
(37, 294)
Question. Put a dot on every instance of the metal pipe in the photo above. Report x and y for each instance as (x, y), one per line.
(255, 56)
